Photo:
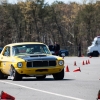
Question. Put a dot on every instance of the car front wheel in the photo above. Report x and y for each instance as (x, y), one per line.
(95, 54)
(3, 76)
(15, 75)
(59, 76)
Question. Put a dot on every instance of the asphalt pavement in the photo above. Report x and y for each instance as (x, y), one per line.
(81, 82)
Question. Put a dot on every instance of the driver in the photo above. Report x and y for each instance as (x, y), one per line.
(29, 50)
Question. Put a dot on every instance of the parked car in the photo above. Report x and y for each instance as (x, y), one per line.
(1, 49)
(32, 59)
(63, 53)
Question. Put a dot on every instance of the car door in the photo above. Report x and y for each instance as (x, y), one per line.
(5, 60)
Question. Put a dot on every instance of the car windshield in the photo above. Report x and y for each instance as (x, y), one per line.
(29, 49)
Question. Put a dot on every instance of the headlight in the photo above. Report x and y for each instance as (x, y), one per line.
(19, 64)
(61, 62)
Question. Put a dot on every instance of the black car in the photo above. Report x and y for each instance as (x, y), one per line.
(63, 53)
(1, 49)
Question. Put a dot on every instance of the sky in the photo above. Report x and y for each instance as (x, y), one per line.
(77, 1)
(65, 1)
(51, 1)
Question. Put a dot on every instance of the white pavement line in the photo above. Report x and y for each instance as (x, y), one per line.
(60, 95)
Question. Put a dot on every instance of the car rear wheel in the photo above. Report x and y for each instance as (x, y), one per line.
(15, 75)
(59, 76)
(95, 54)
(41, 77)
(3, 76)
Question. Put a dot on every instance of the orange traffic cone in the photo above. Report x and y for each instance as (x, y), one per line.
(90, 56)
(88, 62)
(67, 69)
(5, 96)
(82, 56)
(75, 63)
(83, 63)
(98, 97)
(77, 70)
(63, 57)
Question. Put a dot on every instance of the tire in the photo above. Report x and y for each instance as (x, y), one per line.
(95, 54)
(91, 54)
(41, 77)
(3, 76)
(59, 76)
(15, 75)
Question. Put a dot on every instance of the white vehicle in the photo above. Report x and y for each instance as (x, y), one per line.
(94, 49)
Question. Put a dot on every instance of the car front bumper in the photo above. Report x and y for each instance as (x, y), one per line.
(39, 71)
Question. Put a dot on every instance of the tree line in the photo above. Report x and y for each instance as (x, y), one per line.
(34, 20)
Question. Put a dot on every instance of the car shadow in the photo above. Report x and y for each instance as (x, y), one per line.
(34, 79)
(46, 79)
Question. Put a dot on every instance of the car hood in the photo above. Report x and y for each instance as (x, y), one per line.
(38, 57)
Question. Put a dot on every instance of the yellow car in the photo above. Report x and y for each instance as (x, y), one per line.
(30, 59)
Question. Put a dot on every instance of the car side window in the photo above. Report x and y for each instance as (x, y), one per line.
(7, 51)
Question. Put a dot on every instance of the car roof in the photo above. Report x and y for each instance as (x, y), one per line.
(22, 43)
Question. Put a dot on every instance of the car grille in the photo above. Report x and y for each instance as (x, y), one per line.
(41, 63)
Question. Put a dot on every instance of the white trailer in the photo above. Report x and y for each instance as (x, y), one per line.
(94, 49)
